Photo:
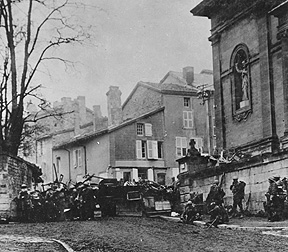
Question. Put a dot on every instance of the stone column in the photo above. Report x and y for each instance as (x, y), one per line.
(265, 78)
(282, 34)
(218, 93)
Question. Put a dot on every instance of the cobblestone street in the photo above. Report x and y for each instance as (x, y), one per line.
(135, 234)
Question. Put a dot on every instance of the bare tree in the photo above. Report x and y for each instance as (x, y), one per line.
(31, 32)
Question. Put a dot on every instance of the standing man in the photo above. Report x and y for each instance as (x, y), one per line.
(238, 190)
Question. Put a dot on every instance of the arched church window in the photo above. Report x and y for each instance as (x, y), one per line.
(241, 83)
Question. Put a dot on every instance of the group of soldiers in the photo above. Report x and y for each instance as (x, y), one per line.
(276, 199)
(56, 203)
(215, 204)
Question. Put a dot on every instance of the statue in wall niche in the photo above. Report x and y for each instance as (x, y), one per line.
(192, 151)
(242, 68)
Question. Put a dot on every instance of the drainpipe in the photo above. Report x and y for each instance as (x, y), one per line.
(85, 161)
(69, 164)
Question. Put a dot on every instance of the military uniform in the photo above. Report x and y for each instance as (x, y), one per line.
(275, 199)
(238, 190)
(216, 194)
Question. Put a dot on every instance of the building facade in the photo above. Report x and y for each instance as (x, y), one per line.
(63, 122)
(249, 45)
(146, 134)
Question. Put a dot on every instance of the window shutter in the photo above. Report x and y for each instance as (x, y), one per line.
(190, 119)
(155, 149)
(148, 129)
(199, 144)
(185, 117)
(183, 142)
(150, 149)
(80, 154)
(178, 141)
(75, 158)
(138, 149)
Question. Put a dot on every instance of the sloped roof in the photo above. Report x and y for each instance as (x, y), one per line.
(205, 77)
(170, 87)
(91, 135)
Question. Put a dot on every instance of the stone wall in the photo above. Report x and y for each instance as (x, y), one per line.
(13, 172)
(254, 174)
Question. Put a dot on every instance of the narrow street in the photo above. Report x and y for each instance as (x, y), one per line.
(135, 234)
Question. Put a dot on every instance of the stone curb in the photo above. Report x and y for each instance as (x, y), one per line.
(227, 226)
(64, 245)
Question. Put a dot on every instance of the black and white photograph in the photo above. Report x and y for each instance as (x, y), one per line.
(143, 125)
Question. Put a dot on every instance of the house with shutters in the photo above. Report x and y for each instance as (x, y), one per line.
(145, 134)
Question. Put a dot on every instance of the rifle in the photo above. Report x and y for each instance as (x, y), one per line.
(222, 180)
(247, 202)
(54, 166)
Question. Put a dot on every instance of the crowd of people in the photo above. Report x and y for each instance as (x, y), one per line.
(57, 203)
(214, 204)
(275, 206)
(276, 197)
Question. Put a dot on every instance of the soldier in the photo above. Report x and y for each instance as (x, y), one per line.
(24, 204)
(190, 214)
(238, 190)
(216, 194)
(275, 199)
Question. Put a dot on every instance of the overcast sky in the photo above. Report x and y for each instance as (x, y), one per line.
(133, 40)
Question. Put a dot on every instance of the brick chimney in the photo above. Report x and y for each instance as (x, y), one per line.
(97, 120)
(82, 109)
(188, 75)
(115, 115)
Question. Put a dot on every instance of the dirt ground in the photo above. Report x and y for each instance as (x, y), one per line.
(144, 234)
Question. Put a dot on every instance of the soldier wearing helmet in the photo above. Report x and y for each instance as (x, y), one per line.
(216, 193)
(238, 190)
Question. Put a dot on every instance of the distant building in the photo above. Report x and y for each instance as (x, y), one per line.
(145, 135)
(66, 120)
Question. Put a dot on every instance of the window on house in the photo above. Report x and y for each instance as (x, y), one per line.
(188, 119)
(150, 149)
(181, 146)
(140, 129)
(143, 149)
(126, 176)
(142, 173)
(161, 178)
(140, 149)
(160, 149)
(77, 158)
(186, 102)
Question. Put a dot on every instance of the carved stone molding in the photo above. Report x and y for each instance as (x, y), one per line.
(215, 38)
(242, 116)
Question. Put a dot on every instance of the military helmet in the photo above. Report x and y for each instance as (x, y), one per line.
(276, 178)
(23, 186)
(189, 202)
(235, 177)
(216, 181)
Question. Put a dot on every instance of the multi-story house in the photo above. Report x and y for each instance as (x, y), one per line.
(66, 120)
(145, 135)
